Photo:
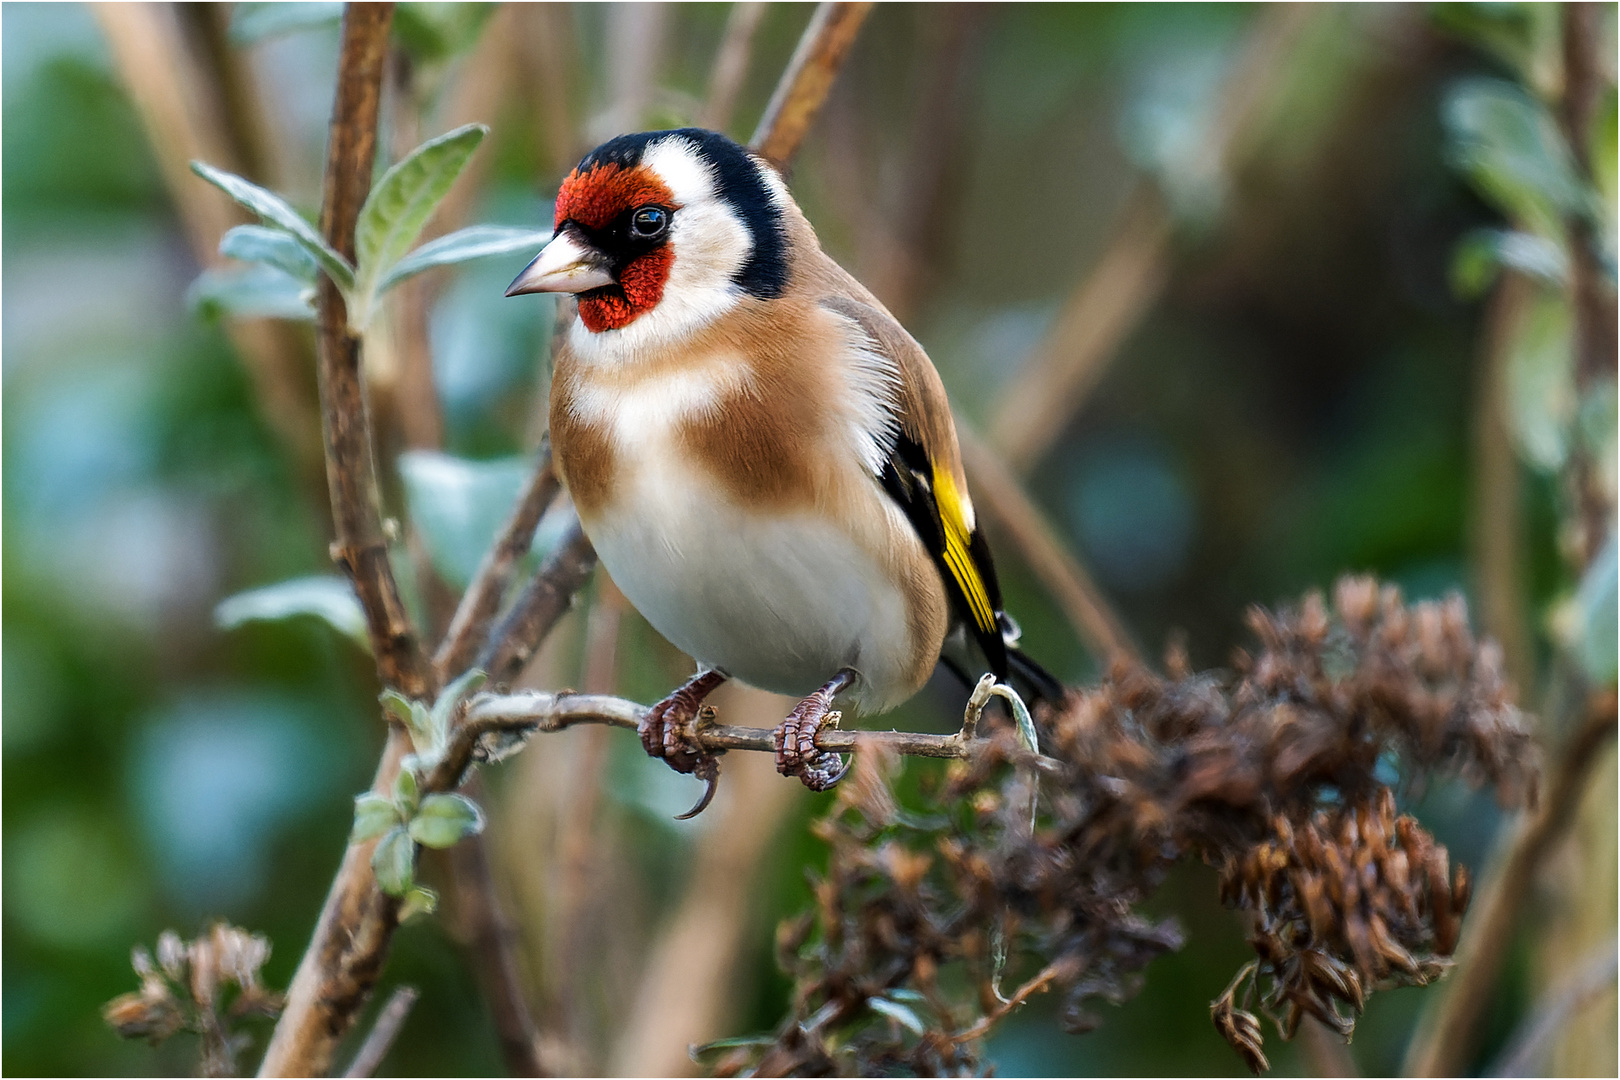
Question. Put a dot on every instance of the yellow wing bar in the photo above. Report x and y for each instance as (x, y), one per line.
(953, 524)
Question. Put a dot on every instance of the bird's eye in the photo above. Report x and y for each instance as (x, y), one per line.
(649, 222)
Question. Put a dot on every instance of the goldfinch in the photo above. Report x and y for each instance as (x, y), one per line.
(762, 456)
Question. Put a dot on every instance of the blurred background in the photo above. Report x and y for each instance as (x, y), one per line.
(1231, 287)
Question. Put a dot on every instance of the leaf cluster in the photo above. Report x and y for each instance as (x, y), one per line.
(288, 253)
(408, 817)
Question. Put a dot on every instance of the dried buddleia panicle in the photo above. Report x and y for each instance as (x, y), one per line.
(193, 986)
(1270, 773)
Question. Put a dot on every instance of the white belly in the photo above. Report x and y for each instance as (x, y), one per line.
(780, 603)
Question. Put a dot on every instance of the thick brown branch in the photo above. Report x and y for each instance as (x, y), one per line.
(1592, 294)
(361, 547)
(809, 75)
(351, 939)
(1445, 1043)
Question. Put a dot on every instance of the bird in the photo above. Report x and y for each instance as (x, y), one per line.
(763, 458)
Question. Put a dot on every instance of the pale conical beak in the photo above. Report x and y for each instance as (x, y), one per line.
(566, 265)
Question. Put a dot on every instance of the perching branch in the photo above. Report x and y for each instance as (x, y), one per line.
(534, 711)
(809, 75)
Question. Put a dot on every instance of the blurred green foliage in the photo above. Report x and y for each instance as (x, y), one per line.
(1297, 403)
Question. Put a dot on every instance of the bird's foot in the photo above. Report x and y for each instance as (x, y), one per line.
(668, 732)
(795, 738)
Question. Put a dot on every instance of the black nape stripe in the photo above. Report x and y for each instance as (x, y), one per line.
(738, 181)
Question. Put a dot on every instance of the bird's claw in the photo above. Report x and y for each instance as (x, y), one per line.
(795, 742)
(669, 731)
(708, 770)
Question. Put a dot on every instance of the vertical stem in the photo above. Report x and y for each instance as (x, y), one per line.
(350, 942)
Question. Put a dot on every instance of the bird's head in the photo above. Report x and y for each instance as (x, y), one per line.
(665, 229)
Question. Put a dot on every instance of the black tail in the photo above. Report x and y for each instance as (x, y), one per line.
(1032, 680)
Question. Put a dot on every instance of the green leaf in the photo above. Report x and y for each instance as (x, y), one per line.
(736, 1042)
(393, 861)
(401, 203)
(1539, 393)
(419, 900)
(1525, 36)
(373, 816)
(898, 1012)
(445, 819)
(251, 292)
(397, 705)
(1482, 252)
(1597, 613)
(276, 211)
(327, 597)
(458, 505)
(256, 243)
(406, 793)
(1508, 145)
(463, 245)
(252, 22)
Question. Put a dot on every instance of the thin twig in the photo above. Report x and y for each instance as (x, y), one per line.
(1497, 525)
(731, 63)
(999, 494)
(1126, 281)
(809, 75)
(906, 241)
(491, 940)
(1061, 968)
(1443, 1043)
(544, 600)
(1325, 1050)
(546, 711)
(482, 600)
(381, 1038)
(1532, 1038)
(350, 942)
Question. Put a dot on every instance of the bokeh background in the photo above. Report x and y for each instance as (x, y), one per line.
(1302, 385)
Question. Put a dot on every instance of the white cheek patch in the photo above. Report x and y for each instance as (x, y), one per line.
(710, 243)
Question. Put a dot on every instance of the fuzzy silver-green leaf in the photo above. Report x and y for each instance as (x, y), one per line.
(464, 245)
(403, 200)
(393, 862)
(272, 247)
(275, 210)
(373, 815)
(442, 820)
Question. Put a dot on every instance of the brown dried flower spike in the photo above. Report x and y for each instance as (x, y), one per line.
(186, 989)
